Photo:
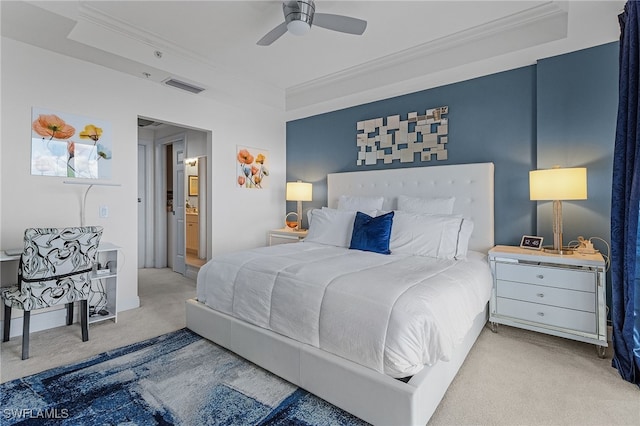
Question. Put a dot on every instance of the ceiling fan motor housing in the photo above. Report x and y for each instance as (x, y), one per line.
(298, 15)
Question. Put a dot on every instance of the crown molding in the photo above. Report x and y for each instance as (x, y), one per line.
(542, 24)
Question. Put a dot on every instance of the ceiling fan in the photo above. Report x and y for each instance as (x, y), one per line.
(299, 15)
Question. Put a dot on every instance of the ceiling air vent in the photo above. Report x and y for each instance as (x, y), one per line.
(182, 85)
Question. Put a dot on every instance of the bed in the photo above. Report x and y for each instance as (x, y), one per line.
(358, 373)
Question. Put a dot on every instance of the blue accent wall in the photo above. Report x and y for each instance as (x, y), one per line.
(577, 107)
(563, 109)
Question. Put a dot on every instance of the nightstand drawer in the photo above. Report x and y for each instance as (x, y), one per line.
(549, 315)
(285, 236)
(572, 279)
(579, 300)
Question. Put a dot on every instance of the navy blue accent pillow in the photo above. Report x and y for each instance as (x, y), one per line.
(372, 233)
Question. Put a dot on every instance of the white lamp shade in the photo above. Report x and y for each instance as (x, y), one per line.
(558, 184)
(299, 191)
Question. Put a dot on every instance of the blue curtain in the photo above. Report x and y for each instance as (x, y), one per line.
(625, 207)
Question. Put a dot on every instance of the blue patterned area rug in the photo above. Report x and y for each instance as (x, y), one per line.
(179, 378)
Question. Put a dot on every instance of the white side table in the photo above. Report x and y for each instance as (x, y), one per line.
(103, 297)
(561, 295)
(285, 235)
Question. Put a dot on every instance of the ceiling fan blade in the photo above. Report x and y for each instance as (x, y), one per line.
(344, 24)
(273, 35)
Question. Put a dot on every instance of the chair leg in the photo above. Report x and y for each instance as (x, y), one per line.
(26, 319)
(84, 319)
(69, 313)
(7, 323)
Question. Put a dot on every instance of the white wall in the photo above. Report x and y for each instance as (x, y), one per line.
(34, 77)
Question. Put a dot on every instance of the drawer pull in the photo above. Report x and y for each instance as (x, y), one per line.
(540, 314)
(540, 276)
(540, 294)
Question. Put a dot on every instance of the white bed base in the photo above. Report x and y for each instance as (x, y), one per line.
(372, 396)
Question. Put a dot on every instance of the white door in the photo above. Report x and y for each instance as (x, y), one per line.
(142, 210)
(178, 208)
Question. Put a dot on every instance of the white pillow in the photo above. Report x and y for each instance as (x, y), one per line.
(360, 203)
(372, 213)
(463, 238)
(331, 227)
(439, 236)
(426, 205)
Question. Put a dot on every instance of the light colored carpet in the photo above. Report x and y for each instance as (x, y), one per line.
(518, 377)
(514, 377)
(162, 295)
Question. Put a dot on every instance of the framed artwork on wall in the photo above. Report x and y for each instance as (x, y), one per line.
(70, 145)
(252, 167)
(193, 186)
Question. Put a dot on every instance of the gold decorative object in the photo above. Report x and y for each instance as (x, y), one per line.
(291, 221)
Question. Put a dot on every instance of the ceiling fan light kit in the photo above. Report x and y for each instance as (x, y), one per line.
(299, 16)
(298, 28)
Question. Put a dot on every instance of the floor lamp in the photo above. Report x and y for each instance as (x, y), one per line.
(558, 184)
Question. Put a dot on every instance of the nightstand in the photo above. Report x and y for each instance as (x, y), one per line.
(285, 235)
(561, 295)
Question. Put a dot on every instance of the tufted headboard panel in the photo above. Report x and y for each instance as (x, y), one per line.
(470, 184)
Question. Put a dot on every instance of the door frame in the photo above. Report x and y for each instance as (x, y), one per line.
(160, 210)
(146, 205)
(156, 251)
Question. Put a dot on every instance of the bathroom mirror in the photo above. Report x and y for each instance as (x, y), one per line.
(193, 186)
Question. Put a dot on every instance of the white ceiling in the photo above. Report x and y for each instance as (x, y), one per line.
(408, 45)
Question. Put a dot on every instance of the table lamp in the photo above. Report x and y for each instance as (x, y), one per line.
(558, 184)
(299, 191)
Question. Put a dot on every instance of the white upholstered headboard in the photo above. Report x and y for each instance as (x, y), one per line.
(470, 184)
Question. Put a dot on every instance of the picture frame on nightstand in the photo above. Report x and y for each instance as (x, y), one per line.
(531, 242)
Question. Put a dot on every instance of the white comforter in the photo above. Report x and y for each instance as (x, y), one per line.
(392, 313)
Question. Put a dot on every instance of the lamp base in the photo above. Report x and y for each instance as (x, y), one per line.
(563, 251)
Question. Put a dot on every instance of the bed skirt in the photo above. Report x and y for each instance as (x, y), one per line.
(374, 397)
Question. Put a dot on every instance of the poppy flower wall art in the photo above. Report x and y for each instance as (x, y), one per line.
(253, 169)
(70, 145)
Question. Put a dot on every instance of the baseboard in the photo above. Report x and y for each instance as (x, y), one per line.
(191, 272)
(130, 303)
(51, 318)
(43, 320)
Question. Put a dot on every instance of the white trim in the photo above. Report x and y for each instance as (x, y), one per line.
(532, 27)
(46, 319)
(160, 209)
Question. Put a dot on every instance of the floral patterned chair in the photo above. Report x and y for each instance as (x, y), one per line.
(55, 267)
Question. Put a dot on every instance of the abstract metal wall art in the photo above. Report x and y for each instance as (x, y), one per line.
(387, 139)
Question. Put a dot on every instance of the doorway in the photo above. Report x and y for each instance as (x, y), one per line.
(195, 210)
(164, 204)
